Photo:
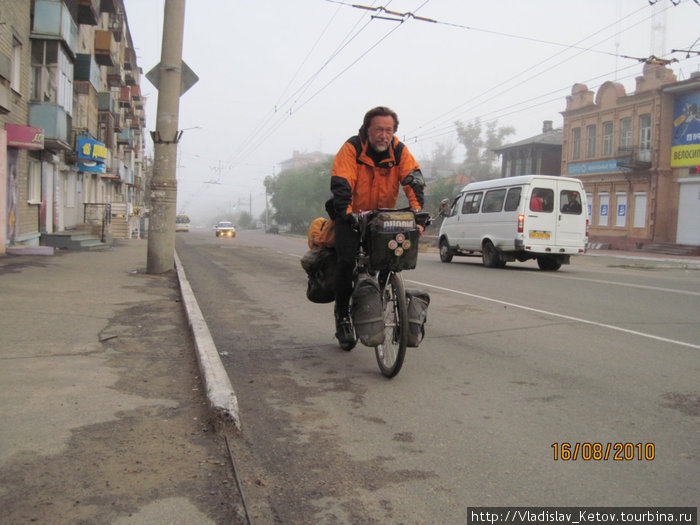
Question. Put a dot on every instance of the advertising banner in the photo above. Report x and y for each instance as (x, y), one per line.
(685, 146)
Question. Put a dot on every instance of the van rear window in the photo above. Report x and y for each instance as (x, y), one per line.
(542, 199)
(570, 202)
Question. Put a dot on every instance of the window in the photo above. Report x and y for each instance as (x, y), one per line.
(570, 202)
(640, 210)
(52, 74)
(471, 203)
(626, 133)
(645, 138)
(607, 139)
(603, 209)
(15, 75)
(621, 217)
(493, 201)
(542, 199)
(591, 131)
(34, 182)
(576, 143)
(513, 199)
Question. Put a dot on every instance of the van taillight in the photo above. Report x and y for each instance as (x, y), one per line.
(521, 224)
(586, 227)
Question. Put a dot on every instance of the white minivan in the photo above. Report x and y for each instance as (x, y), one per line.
(541, 217)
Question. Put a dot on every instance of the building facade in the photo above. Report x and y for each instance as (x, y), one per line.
(540, 154)
(71, 119)
(637, 155)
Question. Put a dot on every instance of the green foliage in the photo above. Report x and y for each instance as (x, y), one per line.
(480, 161)
(298, 195)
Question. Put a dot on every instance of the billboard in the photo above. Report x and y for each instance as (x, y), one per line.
(685, 146)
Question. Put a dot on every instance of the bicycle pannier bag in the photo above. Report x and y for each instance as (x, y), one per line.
(367, 311)
(393, 239)
(418, 302)
(321, 233)
(319, 265)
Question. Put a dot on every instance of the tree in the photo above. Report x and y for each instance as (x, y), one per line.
(298, 195)
(480, 160)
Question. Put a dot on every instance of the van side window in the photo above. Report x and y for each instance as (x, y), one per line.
(513, 199)
(542, 199)
(570, 202)
(493, 201)
(472, 202)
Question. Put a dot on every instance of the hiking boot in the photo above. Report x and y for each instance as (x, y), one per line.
(345, 333)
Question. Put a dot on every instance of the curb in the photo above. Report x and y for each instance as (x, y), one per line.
(220, 395)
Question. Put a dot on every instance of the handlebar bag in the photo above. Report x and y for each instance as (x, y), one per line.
(367, 311)
(393, 241)
(418, 302)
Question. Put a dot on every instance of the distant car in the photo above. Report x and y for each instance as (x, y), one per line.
(224, 229)
(273, 229)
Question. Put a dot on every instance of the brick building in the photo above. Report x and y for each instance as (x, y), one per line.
(638, 156)
(71, 119)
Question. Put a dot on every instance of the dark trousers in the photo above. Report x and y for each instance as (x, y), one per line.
(347, 244)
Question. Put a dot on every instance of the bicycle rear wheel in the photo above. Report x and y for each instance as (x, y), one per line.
(391, 353)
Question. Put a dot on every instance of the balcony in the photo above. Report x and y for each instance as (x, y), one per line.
(87, 69)
(115, 76)
(125, 97)
(108, 6)
(106, 102)
(57, 125)
(634, 158)
(52, 20)
(124, 136)
(89, 12)
(116, 25)
(105, 48)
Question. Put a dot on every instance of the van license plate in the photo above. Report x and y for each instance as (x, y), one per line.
(539, 235)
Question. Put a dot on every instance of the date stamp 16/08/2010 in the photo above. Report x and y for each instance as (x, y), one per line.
(609, 451)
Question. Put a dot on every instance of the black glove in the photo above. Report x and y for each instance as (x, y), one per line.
(353, 220)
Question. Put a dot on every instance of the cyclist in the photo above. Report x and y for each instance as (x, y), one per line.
(367, 172)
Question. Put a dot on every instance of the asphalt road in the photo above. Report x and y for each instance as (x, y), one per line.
(517, 363)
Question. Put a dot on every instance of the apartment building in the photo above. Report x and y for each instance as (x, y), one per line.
(638, 155)
(71, 119)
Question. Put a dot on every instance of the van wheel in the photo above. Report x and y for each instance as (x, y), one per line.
(490, 256)
(445, 251)
(548, 264)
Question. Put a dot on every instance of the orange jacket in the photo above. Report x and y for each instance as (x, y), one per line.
(358, 185)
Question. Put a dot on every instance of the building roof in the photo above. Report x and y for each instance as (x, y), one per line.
(548, 138)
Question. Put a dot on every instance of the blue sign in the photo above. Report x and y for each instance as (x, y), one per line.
(621, 210)
(600, 166)
(604, 210)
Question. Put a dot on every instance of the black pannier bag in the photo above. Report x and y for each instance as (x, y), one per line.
(393, 241)
(319, 265)
(367, 311)
(418, 302)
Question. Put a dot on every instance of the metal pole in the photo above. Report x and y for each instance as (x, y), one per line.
(161, 225)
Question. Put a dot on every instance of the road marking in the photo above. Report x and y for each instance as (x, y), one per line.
(554, 314)
(631, 285)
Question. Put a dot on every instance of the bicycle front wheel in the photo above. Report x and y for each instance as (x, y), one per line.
(391, 353)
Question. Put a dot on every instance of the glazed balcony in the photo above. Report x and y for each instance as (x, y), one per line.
(105, 48)
(57, 124)
(53, 21)
(88, 12)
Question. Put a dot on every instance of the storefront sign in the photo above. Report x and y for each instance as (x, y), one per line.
(685, 146)
(24, 137)
(91, 155)
(601, 166)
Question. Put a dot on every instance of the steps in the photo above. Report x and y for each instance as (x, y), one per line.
(668, 248)
(73, 240)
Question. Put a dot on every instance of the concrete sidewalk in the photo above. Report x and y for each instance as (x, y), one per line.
(111, 389)
(105, 416)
